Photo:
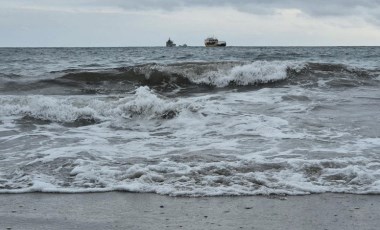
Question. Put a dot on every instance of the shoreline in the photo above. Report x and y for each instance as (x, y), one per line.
(123, 210)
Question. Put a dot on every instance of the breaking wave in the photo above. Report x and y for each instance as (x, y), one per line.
(214, 74)
(184, 74)
(198, 74)
(144, 104)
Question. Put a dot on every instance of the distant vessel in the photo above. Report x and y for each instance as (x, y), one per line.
(170, 43)
(214, 42)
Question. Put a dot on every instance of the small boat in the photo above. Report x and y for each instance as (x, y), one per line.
(214, 42)
(170, 43)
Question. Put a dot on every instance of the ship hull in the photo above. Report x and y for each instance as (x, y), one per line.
(219, 44)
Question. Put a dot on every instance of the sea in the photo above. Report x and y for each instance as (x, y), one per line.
(190, 121)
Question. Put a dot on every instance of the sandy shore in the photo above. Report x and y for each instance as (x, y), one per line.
(116, 210)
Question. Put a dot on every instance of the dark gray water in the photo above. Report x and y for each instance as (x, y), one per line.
(190, 121)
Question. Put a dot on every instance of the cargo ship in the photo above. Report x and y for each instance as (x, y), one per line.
(214, 42)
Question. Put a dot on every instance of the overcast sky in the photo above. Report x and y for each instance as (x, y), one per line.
(151, 22)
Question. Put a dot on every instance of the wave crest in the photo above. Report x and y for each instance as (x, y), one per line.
(197, 76)
(143, 104)
(184, 74)
(219, 74)
(147, 104)
(260, 72)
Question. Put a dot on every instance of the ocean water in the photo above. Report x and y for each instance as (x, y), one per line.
(190, 121)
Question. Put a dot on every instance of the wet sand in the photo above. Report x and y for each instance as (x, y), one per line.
(117, 210)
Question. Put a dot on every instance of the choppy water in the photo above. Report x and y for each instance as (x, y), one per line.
(190, 121)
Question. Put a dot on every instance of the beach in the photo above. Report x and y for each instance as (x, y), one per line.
(122, 210)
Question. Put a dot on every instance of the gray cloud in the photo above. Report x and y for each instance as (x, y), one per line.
(369, 10)
(312, 7)
(317, 6)
(131, 23)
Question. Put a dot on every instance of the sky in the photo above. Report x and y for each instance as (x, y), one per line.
(89, 23)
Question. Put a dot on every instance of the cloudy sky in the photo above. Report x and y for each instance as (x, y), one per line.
(151, 22)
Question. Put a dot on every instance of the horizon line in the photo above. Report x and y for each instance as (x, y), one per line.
(197, 46)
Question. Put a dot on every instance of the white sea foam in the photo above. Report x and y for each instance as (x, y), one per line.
(254, 73)
(43, 107)
(224, 74)
(228, 177)
(267, 141)
(144, 103)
